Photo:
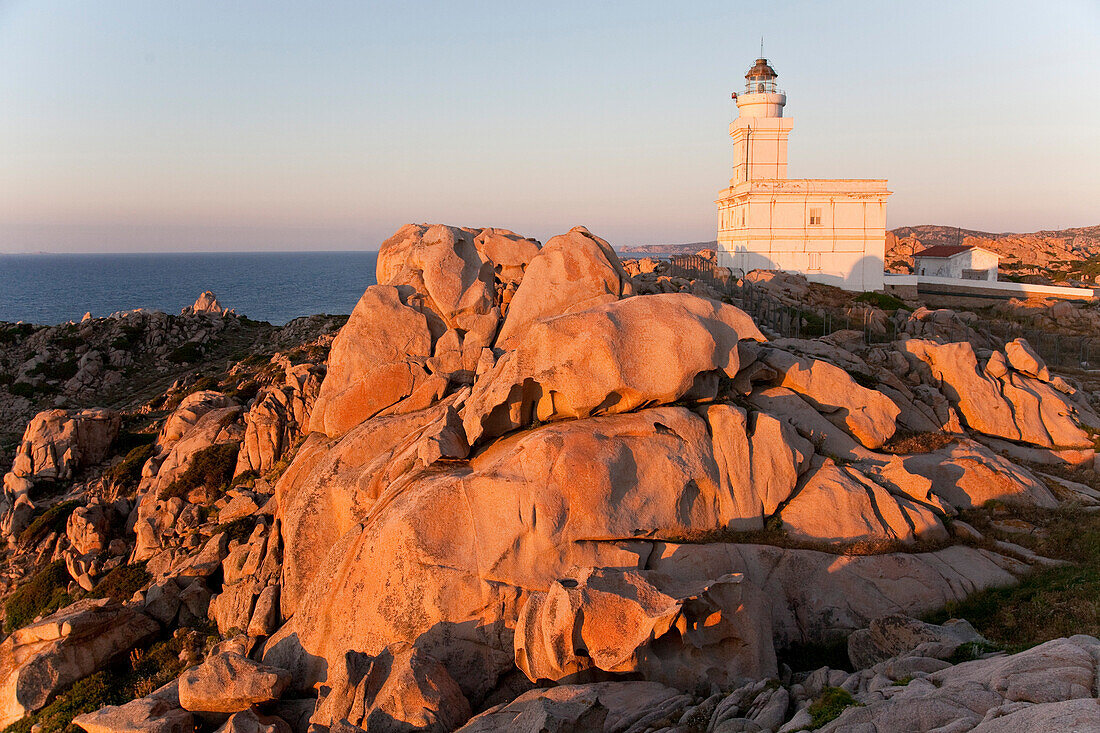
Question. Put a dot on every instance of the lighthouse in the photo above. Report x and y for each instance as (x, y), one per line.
(760, 131)
(832, 231)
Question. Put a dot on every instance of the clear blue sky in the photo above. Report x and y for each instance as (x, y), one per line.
(239, 125)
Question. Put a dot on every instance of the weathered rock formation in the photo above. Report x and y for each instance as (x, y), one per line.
(48, 655)
(57, 443)
(279, 417)
(583, 495)
(530, 466)
(207, 302)
(228, 683)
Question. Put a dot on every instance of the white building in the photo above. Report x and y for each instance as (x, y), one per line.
(963, 262)
(831, 230)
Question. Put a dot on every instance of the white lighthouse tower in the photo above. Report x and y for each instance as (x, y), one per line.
(831, 230)
(760, 131)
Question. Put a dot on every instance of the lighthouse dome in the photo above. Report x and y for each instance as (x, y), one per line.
(761, 70)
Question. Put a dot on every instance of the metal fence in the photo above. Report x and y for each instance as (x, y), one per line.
(784, 320)
(1057, 350)
(799, 321)
(772, 314)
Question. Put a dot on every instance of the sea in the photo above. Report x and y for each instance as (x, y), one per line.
(265, 286)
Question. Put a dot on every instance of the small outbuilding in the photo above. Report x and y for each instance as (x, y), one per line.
(958, 261)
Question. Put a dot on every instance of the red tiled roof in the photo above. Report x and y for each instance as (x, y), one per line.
(944, 250)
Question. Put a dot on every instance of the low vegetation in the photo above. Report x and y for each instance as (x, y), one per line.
(129, 337)
(126, 474)
(52, 519)
(128, 440)
(880, 300)
(907, 442)
(84, 696)
(59, 370)
(42, 593)
(1050, 602)
(14, 332)
(189, 353)
(829, 705)
(23, 389)
(211, 467)
(122, 583)
(240, 529)
(971, 650)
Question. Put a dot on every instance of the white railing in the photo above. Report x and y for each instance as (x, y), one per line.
(762, 88)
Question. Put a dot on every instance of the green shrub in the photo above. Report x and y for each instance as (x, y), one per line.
(256, 359)
(127, 440)
(129, 338)
(246, 479)
(155, 667)
(13, 332)
(244, 391)
(203, 383)
(52, 519)
(186, 354)
(211, 467)
(43, 593)
(122, 583)
(239, 529)
(127, 473)
(22, 389)
(813, 324)
(60, 370)
(828, 707)
(68, 342)
(880, 300)
(971, 650)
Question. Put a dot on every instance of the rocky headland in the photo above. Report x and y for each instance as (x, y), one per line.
(531, 487)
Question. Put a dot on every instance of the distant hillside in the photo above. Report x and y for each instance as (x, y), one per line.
(669, 249)
(1058, 254)
(1046, 249)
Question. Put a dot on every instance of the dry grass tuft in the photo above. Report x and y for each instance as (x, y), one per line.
(907, 442)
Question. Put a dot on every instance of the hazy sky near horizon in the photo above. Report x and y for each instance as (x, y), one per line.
(140, 125)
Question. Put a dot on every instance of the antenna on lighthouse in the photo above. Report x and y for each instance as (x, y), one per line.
(761, 46)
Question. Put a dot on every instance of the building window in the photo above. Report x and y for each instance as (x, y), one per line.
(815, 261)
(815, 216)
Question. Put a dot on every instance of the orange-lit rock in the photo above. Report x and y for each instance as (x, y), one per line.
(616, 357)
(377, 359)
(573, 272)
(618, 621)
